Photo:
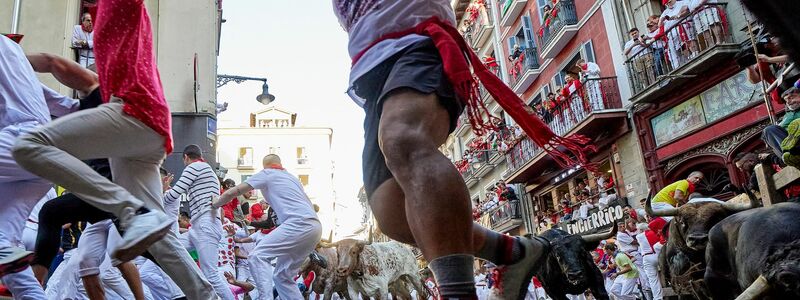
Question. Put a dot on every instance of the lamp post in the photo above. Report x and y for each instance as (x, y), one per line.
(264, 98)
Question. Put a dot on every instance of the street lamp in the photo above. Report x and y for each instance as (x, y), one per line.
(264, 98)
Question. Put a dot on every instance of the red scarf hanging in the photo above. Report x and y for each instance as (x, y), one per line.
(465, 71)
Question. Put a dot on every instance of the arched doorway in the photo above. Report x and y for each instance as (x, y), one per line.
(716, 175)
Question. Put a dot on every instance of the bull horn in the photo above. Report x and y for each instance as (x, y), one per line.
(755, 290)
(648, 207)
(592, 238)
(325, 244)
(369, 236)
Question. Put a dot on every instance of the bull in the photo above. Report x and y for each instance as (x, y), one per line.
(327, 281)
(375, 269)
(567, 267)
(757, 251)
(683, 257)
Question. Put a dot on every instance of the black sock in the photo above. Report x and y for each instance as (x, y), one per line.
(454, 274)
(500, 249)
(142, 210)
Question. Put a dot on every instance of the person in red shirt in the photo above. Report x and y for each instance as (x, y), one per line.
(132, 129)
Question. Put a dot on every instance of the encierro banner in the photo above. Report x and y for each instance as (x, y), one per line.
(600, 219)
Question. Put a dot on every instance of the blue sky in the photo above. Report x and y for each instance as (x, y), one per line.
(302, 51)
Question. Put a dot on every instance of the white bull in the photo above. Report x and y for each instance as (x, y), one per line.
(371, 269)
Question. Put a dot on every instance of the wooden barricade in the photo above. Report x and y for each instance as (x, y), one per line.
(770, 183)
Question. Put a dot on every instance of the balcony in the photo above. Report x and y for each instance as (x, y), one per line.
(562, 27)
(505, 217)
(595, 110)
(688, 48)
(481, 29)
(510, 11)
(480, 162)
(462, 125)
(524, 70)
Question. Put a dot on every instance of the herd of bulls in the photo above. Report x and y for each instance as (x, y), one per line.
(714, 250)
(717, 250)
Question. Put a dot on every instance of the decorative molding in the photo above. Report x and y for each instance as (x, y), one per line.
(719, 147)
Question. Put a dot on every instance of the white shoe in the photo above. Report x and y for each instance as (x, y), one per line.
(141, 231)
(13, 260)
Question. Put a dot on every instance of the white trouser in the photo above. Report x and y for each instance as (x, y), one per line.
(576, 297)
(661, 205)
(95, 242)
(290, 244)
(161, 286)
(20, 189)
(243, 274)
(32, 228)
(64, 282)
(204, 236)
(624, 288)
(650, 267)
(643, 279)
(112, 280)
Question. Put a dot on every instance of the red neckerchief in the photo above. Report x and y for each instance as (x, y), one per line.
(465, 71)
(275, 166)
(267, 231)
(690, 189)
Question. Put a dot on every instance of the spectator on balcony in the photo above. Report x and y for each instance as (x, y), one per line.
(680, 38)
(636, 50)
(586, 205)
(543, 113)
(636, 46)
(566, 211)
(655, 39)
(516, 52)
(573, 93)
(590, 75)
(83, 40)
(708, 21)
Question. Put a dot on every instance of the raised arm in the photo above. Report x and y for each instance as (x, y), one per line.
(188, 177)
(230, 194)
(67, 72)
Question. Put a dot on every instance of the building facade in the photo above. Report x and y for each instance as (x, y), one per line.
(186, 40)
(304, 151)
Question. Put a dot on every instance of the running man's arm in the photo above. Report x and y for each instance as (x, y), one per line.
(243, 240)
(230, 194)
(67, 72)
(188, 177)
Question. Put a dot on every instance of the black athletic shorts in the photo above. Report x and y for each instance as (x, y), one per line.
(418, 67)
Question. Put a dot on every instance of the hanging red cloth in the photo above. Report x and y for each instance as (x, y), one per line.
(465, 71)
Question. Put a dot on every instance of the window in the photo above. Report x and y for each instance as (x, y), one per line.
(527, 30)
(540, 5)
(274, 150)
(245, 177)
(303, 179)
(245, 157)
(302, 156)
(587, 52)
(558, 79)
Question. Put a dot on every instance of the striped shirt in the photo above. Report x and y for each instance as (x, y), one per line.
(199, 182)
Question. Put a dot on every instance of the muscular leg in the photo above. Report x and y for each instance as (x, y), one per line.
(412, 127)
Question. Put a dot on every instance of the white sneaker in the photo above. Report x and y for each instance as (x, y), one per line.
(141, 231)
(13, 260)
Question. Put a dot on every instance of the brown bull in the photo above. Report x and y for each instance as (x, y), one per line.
(327, 282)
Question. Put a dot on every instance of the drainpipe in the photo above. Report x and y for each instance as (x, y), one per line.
(15, 16)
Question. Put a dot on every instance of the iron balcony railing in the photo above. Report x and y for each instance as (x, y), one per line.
(562, 14)
(595, 95)
(507, 211)
(528, 60)
(682, 41)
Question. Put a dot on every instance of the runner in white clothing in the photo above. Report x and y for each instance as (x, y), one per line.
(199, 182)
(292, 241)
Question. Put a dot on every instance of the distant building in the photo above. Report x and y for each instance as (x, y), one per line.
(304, 151)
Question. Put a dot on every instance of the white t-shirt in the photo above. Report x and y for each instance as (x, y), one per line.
(367, 20)
(21, 96)
(635, 49)
(625, 242)
(284, 193)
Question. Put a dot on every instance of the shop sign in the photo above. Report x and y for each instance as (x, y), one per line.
(712, 104)
(601, 219)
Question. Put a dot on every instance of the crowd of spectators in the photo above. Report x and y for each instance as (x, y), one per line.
(578, 203)
(497, 196)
